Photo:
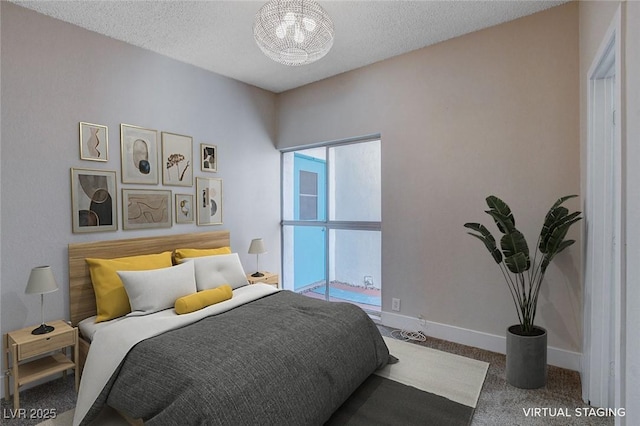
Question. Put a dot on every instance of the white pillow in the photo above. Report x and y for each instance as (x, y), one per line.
(157, 289)
(213, 271)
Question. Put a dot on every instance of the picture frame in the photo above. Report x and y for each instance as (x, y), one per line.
(177, 158)
(93, 200)
(208, 158)
(184, 208)
(139, 155)
(209, 201)
(146, 208)
(94, 142)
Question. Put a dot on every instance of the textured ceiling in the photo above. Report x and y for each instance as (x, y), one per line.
(217, 35)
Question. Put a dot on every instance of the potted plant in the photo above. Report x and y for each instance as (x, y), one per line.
(523, 272)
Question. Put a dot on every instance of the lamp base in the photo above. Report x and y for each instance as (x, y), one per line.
(43, 329)
(257, 274)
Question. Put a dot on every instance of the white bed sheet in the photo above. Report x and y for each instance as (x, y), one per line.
(88, 326)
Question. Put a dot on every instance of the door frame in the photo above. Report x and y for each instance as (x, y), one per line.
(318, 166)
(603, 367)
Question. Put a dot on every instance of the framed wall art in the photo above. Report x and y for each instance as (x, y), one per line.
(93, 200)
(184, 208)
(209, 201)
(139, 154)
(177, 156)
(208, 158)
(146, 208)
(94, 142)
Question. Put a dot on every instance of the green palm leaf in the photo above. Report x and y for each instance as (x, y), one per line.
(557, 236)
(505, 225)
(551, 219)
(518, 263)
(561, 200)
(512, 244)
(497, 205)
(563, 245)
(486, 237)
(555, 219)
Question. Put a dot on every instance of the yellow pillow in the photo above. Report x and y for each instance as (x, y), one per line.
(202, 299)
(185, 253)
(112, 300)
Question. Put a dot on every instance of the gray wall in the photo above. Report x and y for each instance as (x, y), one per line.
(492, 112)
(55, 75)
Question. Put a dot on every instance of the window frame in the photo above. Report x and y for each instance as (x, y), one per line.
(327, 223)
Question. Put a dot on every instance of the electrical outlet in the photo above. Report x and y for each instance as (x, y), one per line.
(422, 320)
(368, 281)
(395, 304)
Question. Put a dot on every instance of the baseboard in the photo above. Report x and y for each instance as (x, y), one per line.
(489, 342)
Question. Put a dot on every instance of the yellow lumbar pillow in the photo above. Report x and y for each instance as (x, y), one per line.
(112, 300)
(202, 299)
(185, 253)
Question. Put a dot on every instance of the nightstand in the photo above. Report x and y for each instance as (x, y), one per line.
(23, 346)
(269, 278)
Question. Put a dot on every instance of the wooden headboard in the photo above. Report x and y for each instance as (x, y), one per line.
(82, 300)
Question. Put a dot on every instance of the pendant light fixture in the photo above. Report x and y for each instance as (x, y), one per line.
(293, 32)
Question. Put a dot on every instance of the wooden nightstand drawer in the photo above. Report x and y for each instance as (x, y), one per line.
(268, 278)
(273, 279)
(45, 344)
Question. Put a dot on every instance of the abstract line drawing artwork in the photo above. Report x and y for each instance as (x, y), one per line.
(146, 208)
(209, 201)
(93, 200)
(177, 154)
(184, 208)
(209, 158)
(139, 154)
(94, 142)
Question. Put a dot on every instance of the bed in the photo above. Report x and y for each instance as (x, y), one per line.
(263, 356)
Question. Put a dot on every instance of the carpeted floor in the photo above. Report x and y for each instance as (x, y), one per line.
(504, 405)
(499, 403)
(425, 387)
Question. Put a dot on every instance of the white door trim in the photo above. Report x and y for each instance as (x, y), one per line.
(603, 359)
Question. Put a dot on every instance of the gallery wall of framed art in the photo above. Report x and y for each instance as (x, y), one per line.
(208, 158)
(94, 201)
(94, 142)
(138, 155)
(177, 155)
(209, 199)
(156, 159)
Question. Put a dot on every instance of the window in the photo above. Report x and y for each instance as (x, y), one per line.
(308, 195)
(331, 222)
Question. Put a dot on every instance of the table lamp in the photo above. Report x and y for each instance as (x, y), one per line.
(41, 281)
(257, 248)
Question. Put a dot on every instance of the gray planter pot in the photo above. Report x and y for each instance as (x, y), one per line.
(526, 358)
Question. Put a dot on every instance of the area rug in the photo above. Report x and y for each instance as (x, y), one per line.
(426, 387)
(108, 417)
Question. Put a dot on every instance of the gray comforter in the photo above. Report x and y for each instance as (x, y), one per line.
(285, 359)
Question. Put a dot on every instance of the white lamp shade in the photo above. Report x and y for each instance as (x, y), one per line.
(257, 246)
(41, 280)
